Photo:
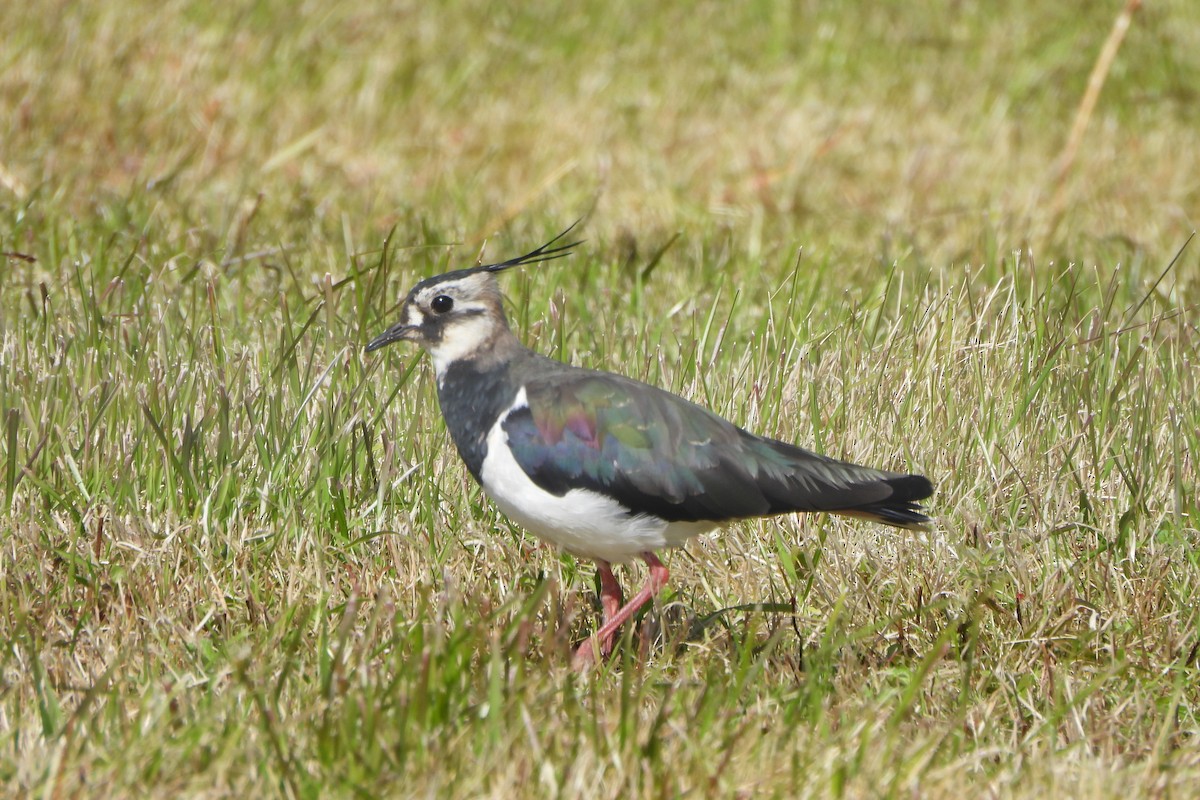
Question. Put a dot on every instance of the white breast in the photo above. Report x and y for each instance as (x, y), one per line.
(581, 521)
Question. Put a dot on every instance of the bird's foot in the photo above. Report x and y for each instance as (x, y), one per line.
(589, 653)
(584, 658)
(614, 617)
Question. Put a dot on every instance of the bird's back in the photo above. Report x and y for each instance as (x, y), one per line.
(659, 454)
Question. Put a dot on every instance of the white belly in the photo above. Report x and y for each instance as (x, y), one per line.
(582, 522)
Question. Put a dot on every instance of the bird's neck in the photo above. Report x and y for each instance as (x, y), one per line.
(474, 392)
(483, 342)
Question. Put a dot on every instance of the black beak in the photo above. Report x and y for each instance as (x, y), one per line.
(393, 334)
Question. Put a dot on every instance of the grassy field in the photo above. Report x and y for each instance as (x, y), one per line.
(239, 558)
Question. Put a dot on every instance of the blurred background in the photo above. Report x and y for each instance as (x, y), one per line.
(928, 131)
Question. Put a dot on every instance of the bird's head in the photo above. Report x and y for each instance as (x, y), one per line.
(460, 314)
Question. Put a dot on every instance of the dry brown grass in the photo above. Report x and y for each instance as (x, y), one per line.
(241, 559)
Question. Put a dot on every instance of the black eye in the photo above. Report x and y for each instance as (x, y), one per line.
(442, 303)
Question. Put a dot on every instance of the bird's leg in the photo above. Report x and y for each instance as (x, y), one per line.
(602, 641)
(611, 596)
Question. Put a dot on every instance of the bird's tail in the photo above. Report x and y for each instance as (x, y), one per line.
(901, 509)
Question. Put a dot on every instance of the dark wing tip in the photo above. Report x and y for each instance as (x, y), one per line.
(546, 252)
(907, 516)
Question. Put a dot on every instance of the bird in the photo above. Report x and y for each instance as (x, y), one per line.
(606, 467)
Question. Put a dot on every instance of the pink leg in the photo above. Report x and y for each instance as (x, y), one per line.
(610, 591)
(602, 641)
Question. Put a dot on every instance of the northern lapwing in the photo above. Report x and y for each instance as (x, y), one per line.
(606, 467)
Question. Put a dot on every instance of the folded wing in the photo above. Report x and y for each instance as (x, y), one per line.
(656, 453)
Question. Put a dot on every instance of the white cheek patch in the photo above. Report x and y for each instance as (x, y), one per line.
(461, 339)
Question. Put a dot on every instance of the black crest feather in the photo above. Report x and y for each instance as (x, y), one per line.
(547, 252)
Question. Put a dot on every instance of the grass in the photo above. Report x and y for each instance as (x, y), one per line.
(240, 557)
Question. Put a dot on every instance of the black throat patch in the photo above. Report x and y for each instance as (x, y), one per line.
(472, 400)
